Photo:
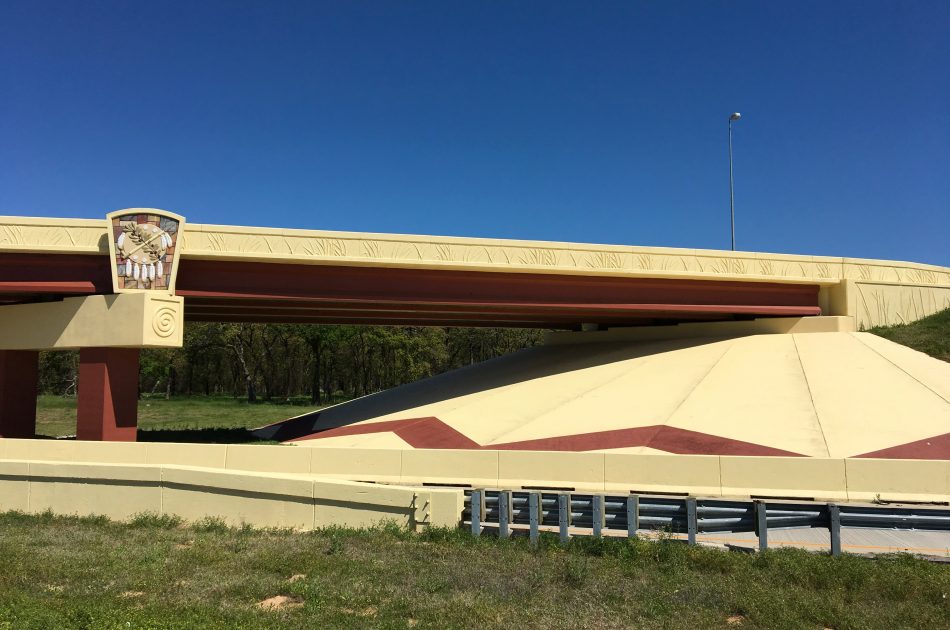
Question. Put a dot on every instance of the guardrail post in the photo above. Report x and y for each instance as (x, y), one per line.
(597, 507)
(504, 513)
(564, 516)
(633, 515)
(534, 509)
(761, 525)
(691, 521)
(476, 506)
(834, 526)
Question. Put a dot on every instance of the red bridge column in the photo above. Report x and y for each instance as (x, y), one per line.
(108, 394)
(18, 381)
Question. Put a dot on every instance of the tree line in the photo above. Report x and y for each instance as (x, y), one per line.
(322, 364)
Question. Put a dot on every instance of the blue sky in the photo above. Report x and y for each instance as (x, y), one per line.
(597, 122)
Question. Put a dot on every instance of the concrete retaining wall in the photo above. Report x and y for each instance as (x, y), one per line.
(700, 475)
(304, 502)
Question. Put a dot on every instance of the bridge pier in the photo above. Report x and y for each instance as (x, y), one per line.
(18, 383)
(108, 331)
(107, 402)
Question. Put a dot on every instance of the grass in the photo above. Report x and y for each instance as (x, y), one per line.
(930, 335)
(195, 419)
(154, 572)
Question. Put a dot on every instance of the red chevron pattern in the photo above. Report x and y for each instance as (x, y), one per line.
(937, 447)
(432, 432)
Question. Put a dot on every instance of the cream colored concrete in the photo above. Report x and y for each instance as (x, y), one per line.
(361, 464)
(799, 477)
(898, 480)
(283, 459)
(652, 378)
(880, 304)
(138, 320)
(222, 242)
(352, 504)
(109, 452)
(866, 402)
(480, 468)
(15, 486)
(260, 499)
(303, 246)
(378, 441)
(818, 394)
(344, 468)
(53, 236)
(42, 450)
(193, 493)
(756, 391)
(917, 365)
(113, 490)
(546, 398)
(534, 469)
(662, 474)
(440, 507)
(198, 455)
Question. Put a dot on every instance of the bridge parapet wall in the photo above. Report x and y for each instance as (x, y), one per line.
(861, 479)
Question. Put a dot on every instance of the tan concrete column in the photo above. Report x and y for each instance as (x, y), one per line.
(107, 406)
(18, 383)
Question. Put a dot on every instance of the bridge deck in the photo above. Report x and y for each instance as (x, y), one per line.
(233, 273)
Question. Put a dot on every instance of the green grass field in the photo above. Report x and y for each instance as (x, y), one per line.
(930, 335)
(60, 572)
(198, 419)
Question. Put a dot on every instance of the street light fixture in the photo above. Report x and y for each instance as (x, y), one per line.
(732, 202)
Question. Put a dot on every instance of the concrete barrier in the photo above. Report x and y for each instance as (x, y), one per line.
(898, 480)
(700, 475)
(283, 459)
(662, 474)
(537, 469)
(262, 499)
(14, 485)
(792, 477)
(199, 455)
(445, 466)
(358, 464)
(259, 499)
(118, 491)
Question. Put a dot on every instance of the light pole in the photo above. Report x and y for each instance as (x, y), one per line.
(732, 200)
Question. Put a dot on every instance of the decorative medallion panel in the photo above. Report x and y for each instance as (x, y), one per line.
(144, 249)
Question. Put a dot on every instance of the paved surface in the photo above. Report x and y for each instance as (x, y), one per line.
(853, 540)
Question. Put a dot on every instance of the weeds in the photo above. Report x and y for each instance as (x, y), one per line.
(153, 520)
(154, 572)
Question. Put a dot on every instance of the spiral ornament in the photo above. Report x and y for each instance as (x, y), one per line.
(164, 321)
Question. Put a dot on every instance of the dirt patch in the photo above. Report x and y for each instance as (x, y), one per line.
(734, 620)
(296, 577)
(280, 602)
(130, 594)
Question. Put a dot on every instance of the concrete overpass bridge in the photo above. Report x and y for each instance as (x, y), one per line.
(111, 286)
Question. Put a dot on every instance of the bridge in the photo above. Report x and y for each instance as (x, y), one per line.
(131, 280)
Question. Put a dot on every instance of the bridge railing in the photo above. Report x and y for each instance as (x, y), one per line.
(573, 514)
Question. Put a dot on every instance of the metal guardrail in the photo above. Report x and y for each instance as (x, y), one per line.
(599, 512)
